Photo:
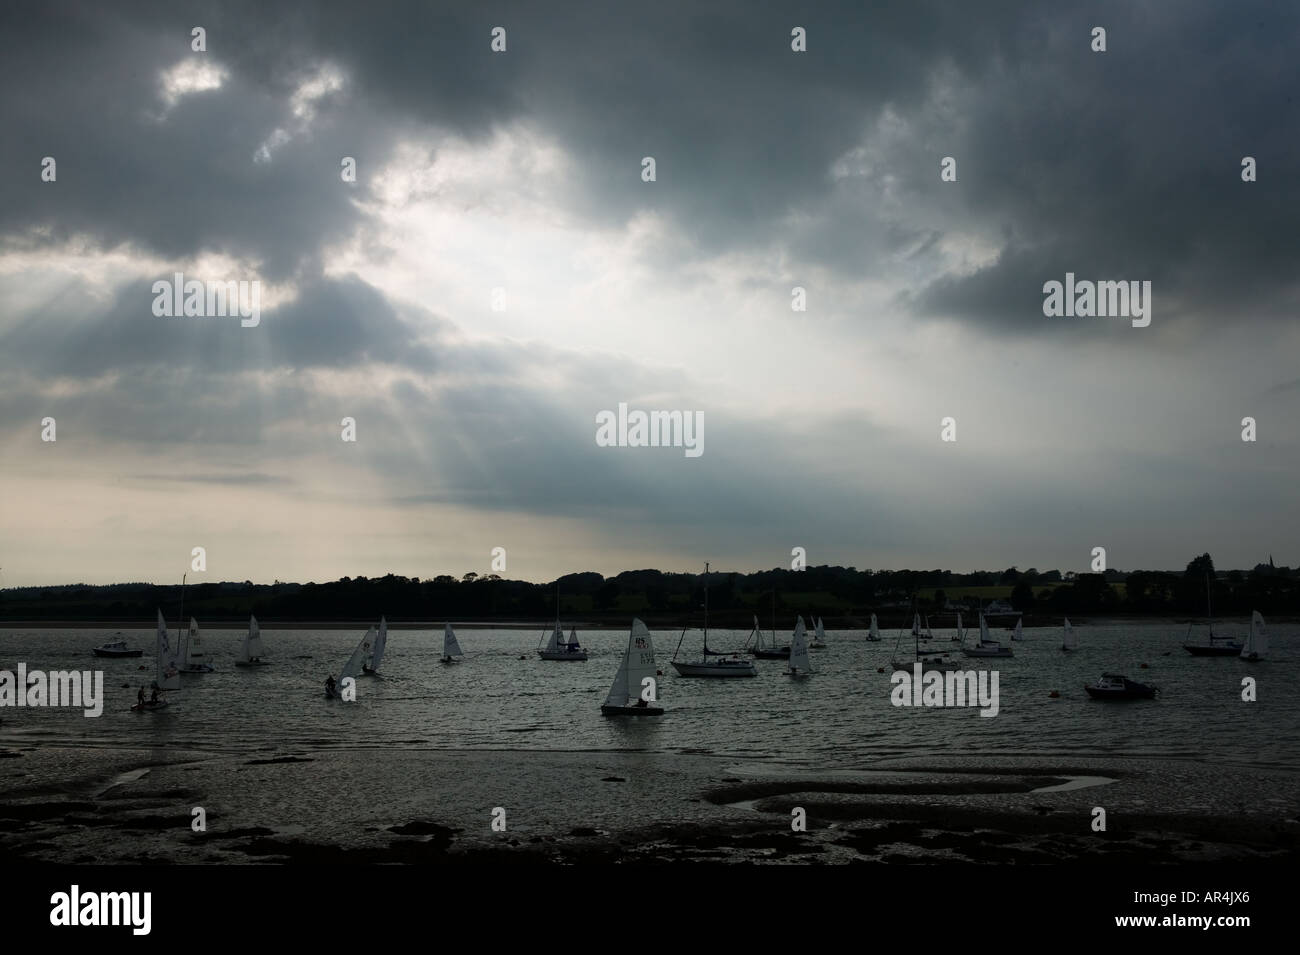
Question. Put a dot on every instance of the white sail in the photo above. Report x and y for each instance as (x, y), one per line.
(253, 642)
(758, 634)
(573, 634)
(377, 651)
(960, 636)
(353, 666)
(875, 629)
(557, 638)
(193, 649)
(638, 664)
(821, 631)
(168, 676)
(799, 650)
(984, 632)
(916, 625)
(1257, 640)
(1020, 633)
(928, 632)
(450, 645)
(1067, 642)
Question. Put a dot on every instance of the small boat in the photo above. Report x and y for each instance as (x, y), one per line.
(928, 659)
(987, 646)
(370, 665)
(149, 706)
(723, 664)
(250, 652)
(1000, 608)
(631, 694)
(916, 626)
(167, 675)
(1068, 642)
(450, 646)
(192, 651)
(1019, 633)
(799, 665)
(353, 667)
(767, 651)
(961, 636)
(1114, 686)
(873, 635)
(1217, 646)
(818, 642)
(117, 649)
(560, 649)
(1257, 640)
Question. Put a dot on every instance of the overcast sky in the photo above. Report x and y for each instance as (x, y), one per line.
(522, 171)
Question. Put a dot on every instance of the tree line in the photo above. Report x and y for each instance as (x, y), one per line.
(845, 594)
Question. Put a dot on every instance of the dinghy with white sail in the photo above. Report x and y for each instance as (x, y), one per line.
(192, 654)
(818, 642)
(1257, 640)
(635, 688)
(370, 666)
(251, 651)
(1067, 639)
(450, 646)
(167, 675)
(873, 635)
(799, 665)
(1019, 633)
(352, 669)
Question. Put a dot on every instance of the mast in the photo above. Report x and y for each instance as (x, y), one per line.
(1208, 614)
(181, 622)
(706, 608)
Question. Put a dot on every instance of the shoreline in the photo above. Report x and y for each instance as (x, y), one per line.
(266, 806)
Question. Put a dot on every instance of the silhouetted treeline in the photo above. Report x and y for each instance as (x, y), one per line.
(843, 594)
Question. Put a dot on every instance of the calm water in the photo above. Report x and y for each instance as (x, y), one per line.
(842, 715)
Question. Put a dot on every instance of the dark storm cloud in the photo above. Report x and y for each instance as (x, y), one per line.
(1122, 164)
(332, 323)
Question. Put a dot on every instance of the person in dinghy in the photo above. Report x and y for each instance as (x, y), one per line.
(329, 685)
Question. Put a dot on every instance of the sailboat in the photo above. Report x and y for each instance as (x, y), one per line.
(558, 648)
(353, 667)
(250, 653)
(987, 646)
(370, 665)
(450, 646)
(873, 635)
(166, 674)
(1257, 640)
(960, 637)
(799, 665)
(1067, 640)
(627, 694)
(724, 664)
(818, 642)
(1019, 633)
(768, 651)
(927, 659)
(916, 625)
(192, 652)
(1218, 646)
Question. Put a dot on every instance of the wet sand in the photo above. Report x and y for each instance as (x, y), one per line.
(81, 805)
